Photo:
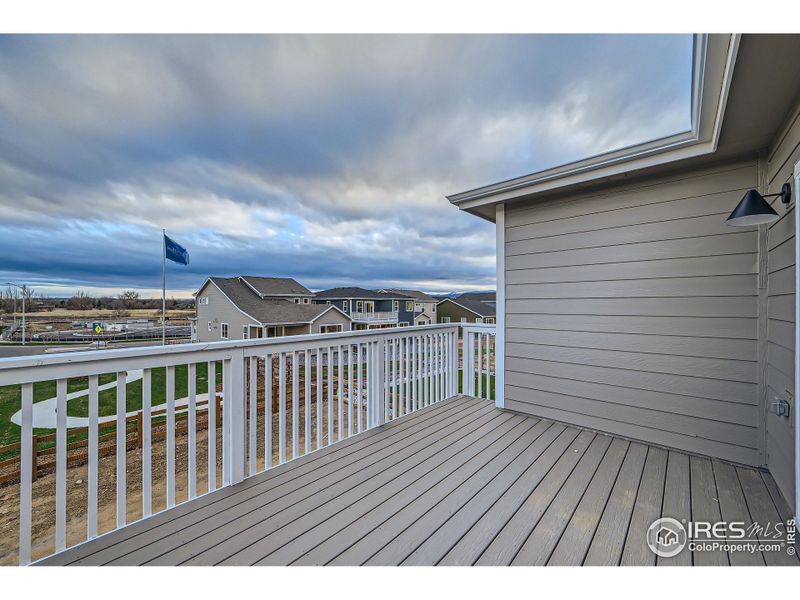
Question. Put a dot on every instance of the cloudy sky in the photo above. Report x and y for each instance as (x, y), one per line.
(324, 158)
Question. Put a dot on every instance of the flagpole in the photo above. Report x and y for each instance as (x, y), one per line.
(164, 287)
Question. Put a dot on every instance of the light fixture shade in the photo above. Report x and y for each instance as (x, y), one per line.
(752, 210)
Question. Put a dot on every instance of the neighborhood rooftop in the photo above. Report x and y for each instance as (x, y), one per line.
(276, 286)
(417, 295)
(341, 293)
(484, 309)
(265, 310)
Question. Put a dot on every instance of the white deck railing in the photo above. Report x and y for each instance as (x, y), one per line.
(375, 317)
(272, 400)
(479, 360)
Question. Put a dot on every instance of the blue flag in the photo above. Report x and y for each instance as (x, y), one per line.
(175, 252)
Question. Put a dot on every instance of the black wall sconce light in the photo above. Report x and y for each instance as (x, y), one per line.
(754, 210)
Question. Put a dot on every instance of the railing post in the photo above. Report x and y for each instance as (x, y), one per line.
(236, 403)
(376, 376)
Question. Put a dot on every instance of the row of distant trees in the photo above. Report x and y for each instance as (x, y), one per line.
(11, 299)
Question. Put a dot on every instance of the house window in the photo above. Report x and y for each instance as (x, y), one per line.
(359, 306)
(433, 308)
(344, 306)
(327, 301)
(223, 331)
(203, 300)
(410, 306)
(334, 328)
(404, 324)
(445, 319)
(245, 332)
(297, 300)
(479, 320)
(463, 319)
(490, 320)
(209, 325)
(396, 305)
(275, 331)
(306, 300)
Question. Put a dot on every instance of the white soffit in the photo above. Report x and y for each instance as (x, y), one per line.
(714, 58)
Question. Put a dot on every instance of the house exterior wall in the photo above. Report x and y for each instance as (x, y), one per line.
(634, 310)
(455, 313)
(330, 318)
(218, 310)
(780, 335)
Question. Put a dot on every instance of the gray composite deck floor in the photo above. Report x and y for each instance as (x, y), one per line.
(458, 483)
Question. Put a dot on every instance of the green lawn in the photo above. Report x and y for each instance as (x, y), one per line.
(10, 398)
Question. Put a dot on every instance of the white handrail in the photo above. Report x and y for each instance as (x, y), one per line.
(379, 375)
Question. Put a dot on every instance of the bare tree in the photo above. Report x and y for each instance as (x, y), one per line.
(80, 301)
(129, 298)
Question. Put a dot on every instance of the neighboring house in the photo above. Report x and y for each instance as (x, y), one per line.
(488, 297)
(423, 318)
(369, 309)
(625, 301)
(465, 310)
(235, 308)
(421, 303)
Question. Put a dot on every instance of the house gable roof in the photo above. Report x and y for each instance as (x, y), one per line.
(267, 311)
(347, 293)
(275, 286)
(415, 294)
(482, 309)
(479, 296)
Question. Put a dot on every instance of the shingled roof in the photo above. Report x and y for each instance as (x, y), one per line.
(417, 295)
(276, 286)
(265, 310)
(484, 309)
(342, 293)
(479, 296)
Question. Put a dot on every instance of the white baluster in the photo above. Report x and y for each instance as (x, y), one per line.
(61, 465)
(212, 425)
(121, 450)
(26, 475)
(295, 407)
(307, 399)
(147, 443)
(281, 408)
(191, 421)
(170, 436)
(91, 517)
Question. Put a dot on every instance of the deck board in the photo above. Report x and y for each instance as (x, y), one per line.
(677, 503)
(574, 543)
(705, 506)
(457, 483)
(646, 509)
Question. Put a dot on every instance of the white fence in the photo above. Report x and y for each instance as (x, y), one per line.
(272, 400)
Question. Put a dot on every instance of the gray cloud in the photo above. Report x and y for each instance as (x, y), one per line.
(321, 157)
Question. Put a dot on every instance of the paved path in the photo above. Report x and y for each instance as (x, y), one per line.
(44, 412)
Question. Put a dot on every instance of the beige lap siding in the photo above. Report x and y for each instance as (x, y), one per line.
(634, 311)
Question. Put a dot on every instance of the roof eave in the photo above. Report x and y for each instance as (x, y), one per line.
(715, 56)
